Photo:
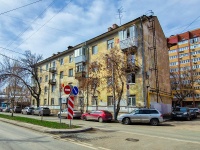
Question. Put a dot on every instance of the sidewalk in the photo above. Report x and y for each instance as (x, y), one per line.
(45, 129)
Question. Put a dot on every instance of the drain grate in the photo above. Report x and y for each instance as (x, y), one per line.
(132, 140)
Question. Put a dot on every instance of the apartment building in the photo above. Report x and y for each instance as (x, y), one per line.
(143, 45)
(184, 54)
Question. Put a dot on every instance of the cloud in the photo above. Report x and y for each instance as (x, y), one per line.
(81, 20)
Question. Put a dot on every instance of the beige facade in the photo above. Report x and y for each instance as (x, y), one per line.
(148, 80)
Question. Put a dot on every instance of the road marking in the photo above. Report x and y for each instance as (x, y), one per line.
(79, 143)
(166, 138)
(103, 148)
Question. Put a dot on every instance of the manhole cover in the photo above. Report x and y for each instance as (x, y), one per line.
(132, 140)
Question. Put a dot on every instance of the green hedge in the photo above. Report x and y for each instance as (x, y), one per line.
(49, 124)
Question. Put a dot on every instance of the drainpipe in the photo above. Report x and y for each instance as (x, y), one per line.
(143, 63)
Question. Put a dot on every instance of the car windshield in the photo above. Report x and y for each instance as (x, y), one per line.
(181, 109)
(45, 108)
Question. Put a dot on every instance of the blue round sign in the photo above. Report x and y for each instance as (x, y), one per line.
(75, 90)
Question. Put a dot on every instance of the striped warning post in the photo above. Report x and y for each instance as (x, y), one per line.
(70, 107)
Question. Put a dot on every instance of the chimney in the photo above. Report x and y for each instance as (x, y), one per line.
(114, 26)
(110, 28)
(70, 47)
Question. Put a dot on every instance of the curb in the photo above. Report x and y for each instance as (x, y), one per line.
(45, 129)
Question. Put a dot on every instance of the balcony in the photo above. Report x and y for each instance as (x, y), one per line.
(52, 81)
(79, 75)
(129, 43)
(79, 59)
(131, 68)
(52, 69)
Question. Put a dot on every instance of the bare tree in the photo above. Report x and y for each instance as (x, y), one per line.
(182, 85)
(24, 70)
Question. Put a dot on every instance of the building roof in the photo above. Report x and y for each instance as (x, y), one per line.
(111, 32)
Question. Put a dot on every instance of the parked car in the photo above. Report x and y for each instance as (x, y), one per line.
(181, 113)
(41, 111)
(197, 110)
(193, 113)
(27, 110)
(17, 109)
(1, 109)
(64, 113)
(7, 109)
(99, 115)
(142, 115)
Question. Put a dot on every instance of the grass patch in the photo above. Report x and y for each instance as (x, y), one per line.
(49, 124)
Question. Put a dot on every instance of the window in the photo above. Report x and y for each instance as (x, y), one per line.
(40, 79)
(81, 101)
(53, 87)
(47, 66)
(52, 101)
(131, 59)
(53, 76)
(131, 100)
(94, 50)
(94, 100)
(80, 67)
(45, 89)
(154, 112)
(110, 100)
(40, 69)
(61, 61)
(53, 64)
(70, 58)
(131, 78)
(194, 40)
(61, 75)
(183, 42)
(110, 44)
(45, 101)
(46, 78)
(79, 52)
(33, 102)
(70, 72)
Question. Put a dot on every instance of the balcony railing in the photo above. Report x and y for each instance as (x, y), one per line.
(130, 42)
(52, 69)
(52, 81)
(81, 74)
(79, 59)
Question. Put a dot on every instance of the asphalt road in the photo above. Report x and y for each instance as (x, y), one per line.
(173, 135)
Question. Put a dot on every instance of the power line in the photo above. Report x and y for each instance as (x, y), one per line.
(44, 24)
(191, 23)
(20, 7)
(31, 23)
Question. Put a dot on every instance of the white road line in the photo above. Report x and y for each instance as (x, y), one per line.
(103, 148)
(79, 143)
(166, 138)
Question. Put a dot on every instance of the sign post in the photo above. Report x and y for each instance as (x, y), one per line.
(70, 108)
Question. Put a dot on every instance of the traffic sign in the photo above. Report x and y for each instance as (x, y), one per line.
(75, 90)
(67, 89)
(70, 107)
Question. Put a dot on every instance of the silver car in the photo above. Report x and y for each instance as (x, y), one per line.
(142, 115)
(27, 110)
(64, 113)
(41, 111)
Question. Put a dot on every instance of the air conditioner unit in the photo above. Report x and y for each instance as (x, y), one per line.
(195, 62)
(193, 49)
(180, 57)
(194, 55)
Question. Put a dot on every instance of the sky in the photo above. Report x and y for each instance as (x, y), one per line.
(46, 27)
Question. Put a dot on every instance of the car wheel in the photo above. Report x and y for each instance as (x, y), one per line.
(188, 118)
(126, 121)
(58, 115)
(100, 119)
(154, 122)
(39, 114)
(85, 118)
